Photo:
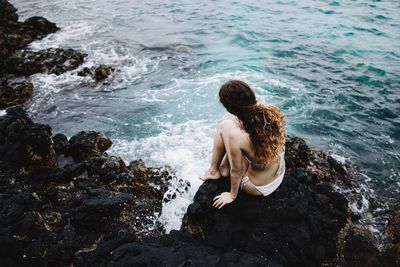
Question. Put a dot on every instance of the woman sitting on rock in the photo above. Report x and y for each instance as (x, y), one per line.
(249, 148)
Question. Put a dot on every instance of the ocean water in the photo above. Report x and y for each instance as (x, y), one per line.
(332, 67)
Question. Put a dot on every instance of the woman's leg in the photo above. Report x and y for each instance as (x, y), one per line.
(217, 155)
(224, 168)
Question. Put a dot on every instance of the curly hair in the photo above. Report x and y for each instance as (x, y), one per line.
(265, 124)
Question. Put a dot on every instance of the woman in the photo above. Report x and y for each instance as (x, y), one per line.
(250, 148)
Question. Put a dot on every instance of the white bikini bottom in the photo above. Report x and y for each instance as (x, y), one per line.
(264, 189)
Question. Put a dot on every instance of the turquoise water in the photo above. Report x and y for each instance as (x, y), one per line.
(332, 67)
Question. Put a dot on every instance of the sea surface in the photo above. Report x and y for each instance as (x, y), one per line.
(333, 67)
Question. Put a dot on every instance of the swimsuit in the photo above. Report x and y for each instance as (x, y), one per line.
(270, 187)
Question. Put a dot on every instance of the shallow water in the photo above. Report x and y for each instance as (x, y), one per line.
(332, 67)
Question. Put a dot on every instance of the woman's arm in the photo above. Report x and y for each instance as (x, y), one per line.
(235, 158)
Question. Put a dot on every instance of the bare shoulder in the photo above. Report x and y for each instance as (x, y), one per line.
(238, 135)
(227, 124)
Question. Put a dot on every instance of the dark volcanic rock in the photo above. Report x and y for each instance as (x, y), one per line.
(52, 60)
(61, 144)
(99, 73)
(288, 226)
(305, 222)
(7, 12)
(56, 214)
(84, 145)
(391, 255)
(14, 93)
(296, 225)
(39, 27)
(25, 146)
(174, 249)
(356, 248)
(15, 35)
(393, 228)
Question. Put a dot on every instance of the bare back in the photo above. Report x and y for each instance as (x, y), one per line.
(260, 176)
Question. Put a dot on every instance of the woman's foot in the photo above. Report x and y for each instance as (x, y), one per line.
(224, 171)
(210, 174)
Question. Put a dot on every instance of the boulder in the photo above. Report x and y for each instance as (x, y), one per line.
(25, 146)
(174, 249)
(84, 145)
(14, 93)
(97, 73)
(296, 225)
(7, 12)
(60, 214)
(16, 35)
(393, 227)
(51, 61)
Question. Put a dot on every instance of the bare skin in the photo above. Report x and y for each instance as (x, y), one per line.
(230, 143)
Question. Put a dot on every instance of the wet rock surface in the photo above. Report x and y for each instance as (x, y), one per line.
(305, 222)
(16, 35)
(54, 210)
(174, 249)
(14, 93)
(67, 202)
(51, 61)
(391, 254)
(97, 73)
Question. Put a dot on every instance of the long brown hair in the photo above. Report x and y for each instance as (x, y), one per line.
(264, 123)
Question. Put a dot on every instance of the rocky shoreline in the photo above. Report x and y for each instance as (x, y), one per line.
(17, 62)
(67, 202)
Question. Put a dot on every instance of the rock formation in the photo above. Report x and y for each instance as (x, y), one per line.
(97, 73)
(67, 202)
(57, 206)
(305, 222)
(14, 62)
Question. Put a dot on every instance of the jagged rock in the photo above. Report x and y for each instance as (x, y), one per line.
(61, 144)
(14, 93)
(358, 247)
(289, 226)
(15, 35)
(7, 12)
(39, 27)
(296, 225)
(99, 73)
(297, 153)
(323, 188)
(51, 60)
(328, 169)
(393, 228)
(98, 209)
(55, 214)
(102, 72)
(106, 168)
(174, 249)
(25, 146)
(391, 254)
(305, 222)
(84, 145)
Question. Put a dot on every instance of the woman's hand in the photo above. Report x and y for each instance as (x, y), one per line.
(223, 199)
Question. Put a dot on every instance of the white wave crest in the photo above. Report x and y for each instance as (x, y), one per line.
(186, 148)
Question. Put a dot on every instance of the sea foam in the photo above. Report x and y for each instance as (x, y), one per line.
(186, 148)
